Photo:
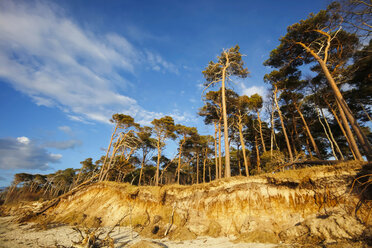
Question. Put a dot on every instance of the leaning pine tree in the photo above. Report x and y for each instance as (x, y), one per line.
(319, 40)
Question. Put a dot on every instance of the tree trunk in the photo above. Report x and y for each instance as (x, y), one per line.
(219, 151)
(293, 142)
(238, 158)
(47, 187)
(272, 131)
(117, 179)
(141, 171)
(297, 141)
(210, 174)
(258, 154)
(112, 161)
(107, 153)
(348, 130)
(78, 178)
(215, 149)
(225, 124)
(326, 133)
(359, 133)
(204, 162)
(352, 144)
(308, 132)
(308, 149)
(282, 122)
(179, 159)
(243, 149)
(261, 135)
(158, 163)
(331, 134)
(197, 168)
(365, 111)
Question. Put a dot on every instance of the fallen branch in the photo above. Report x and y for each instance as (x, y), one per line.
(91, 239)
(170, 220)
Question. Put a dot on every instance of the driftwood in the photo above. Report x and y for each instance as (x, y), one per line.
(92, 237)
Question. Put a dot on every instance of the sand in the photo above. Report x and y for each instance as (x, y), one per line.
(14, 235)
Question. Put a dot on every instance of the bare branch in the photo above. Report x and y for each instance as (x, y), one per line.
(213, 82)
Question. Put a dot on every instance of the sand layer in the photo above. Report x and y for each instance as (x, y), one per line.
(14, 235)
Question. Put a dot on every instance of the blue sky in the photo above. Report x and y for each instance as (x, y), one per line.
(67, 66)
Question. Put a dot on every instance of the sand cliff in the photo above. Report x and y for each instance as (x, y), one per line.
(311, 205)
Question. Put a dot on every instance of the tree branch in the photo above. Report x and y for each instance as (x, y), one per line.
(329, 38)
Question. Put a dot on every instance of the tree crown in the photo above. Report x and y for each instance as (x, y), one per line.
(231, 61)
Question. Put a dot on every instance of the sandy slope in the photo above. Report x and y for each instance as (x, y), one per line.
(13, 235)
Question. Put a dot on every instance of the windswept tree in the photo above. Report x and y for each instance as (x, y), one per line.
(240, 118)
(319, 39)
(62, 181)
(255, 103)
(163, 129)
(288, 80)
(146, 145)
(87, 167)
(19, 178)
(277, 80)
(184, 133)
(229, 64)
(212, 113)
(297, 100)
(205, 143)
(124, 122)
(39, 181)
(197, 149)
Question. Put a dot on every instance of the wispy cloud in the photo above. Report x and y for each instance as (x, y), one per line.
(70, 143)
(22, 153)
(64, 144)
(66, 129)
(47, 56)
(157, 63)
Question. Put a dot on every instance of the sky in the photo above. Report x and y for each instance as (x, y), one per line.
(67, 66)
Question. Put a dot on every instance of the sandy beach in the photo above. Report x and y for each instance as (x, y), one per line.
(14, 235)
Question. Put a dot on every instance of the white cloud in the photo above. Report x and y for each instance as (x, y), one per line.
(56, 156)
(253, 90)
(145, 118)
(22, 153)
(23, 140)
(47, 56)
